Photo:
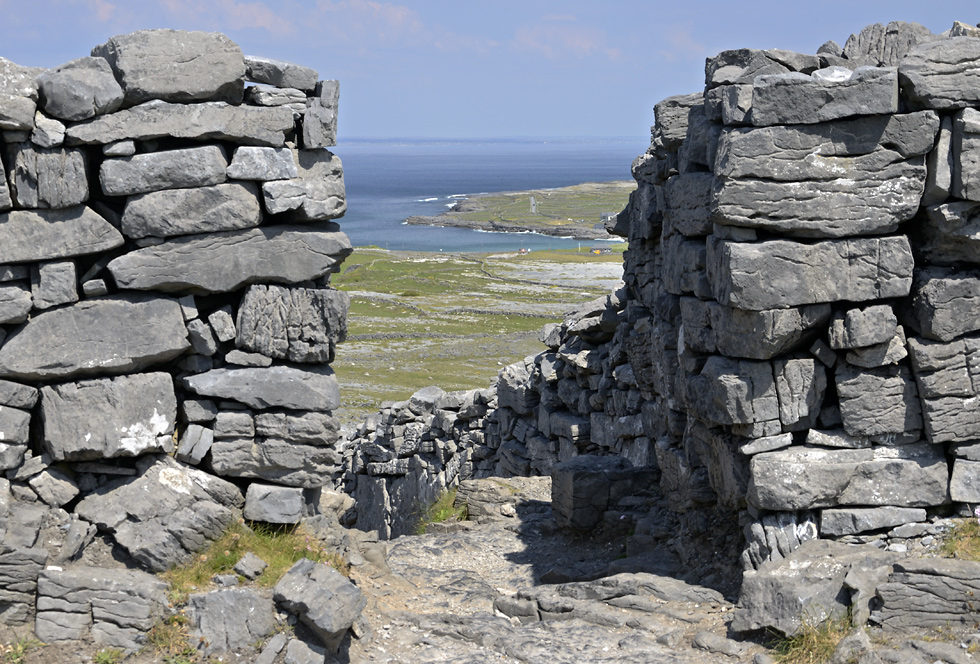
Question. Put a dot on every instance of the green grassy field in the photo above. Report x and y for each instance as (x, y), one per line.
(452, 320)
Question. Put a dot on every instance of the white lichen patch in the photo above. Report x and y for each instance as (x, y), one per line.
(176, 480)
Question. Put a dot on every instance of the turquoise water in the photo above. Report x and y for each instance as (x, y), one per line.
(388, 181)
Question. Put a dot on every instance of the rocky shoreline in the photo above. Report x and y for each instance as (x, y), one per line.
(451, 220)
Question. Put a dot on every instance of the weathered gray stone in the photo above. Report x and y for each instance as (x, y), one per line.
(226, 262)
(258, 163)
(250, 566)
(223, 207)
(805, 588)
(584, 487)
(928, 593)
(273, 460)
(195, 444)
(198, 410)
(314, 388)
(885, 46)
(939, 166)
(11, 457)
(879, 355)
(298, 324)
(826, 94)
(18, 96)
(800, 386)
(945, 373)
(80, 89)
(165, 514)
(670, 121)
(14, 425)
(274, 504)
(862, 199)
(322, 598)
(945, 303)
(167, 169)
(243, 359)
(202, 338)
(321, 429)
(729, 391)
(223, 324)
(688, 204)
(966, 155)
(758, 335)
(116, 607)
(742, 65)
(53, 284)
(862, 327)
(684, 266)
(291, 98)
(230, 619)
(47, 177)
(320, 120)
(943, 74)
(234, 425)
(280, 74)
(19, 570)
(109, 417)
(110, 335)
(54, 487)
(780, 273)
(16, 302)
(878, 401)
(16, 395)
(321, 177)
(30, 235)
(301, 652)
(950, 233)
(964, 483)
(48, 132)
(797, 477)
(855, 520)
(247, 125)
(176, 65)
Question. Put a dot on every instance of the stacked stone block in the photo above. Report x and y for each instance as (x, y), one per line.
(167, 323)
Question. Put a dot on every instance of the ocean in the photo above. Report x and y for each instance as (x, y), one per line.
(390, 180)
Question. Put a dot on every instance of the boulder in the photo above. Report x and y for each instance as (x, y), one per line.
(274, 504)
(826, 94)
(80, 89)
(323, 600)
(47, 177)
(780, 273)
(280, 74)
(109, 417)
(942, 74)
(801, 477)
(313, 388)
(176, 65)
(224, 262)
(245, 125)
(229, 620)
(110, 335)
(209, 209)
(295, 324)
(164, 514)
(167, 169)
(37, 235)
(113, 607)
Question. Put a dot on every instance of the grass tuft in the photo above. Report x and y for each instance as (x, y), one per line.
(14, 653)
(963, 541)
(442, 509)
(170, 639)
(108, 656)
(814, 644)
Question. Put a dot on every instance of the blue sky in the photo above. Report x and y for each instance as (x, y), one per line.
(466, 69)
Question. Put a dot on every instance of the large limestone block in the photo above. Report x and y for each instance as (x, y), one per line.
(20, 566)
(165, 513)
(322, 598)
(168, 169)
(314, 388)
(855, 520)
(826, 94)
(729, 391)
(862, 327)
(950, 233)
(224, 207)
(14, 425)
(671, 120)
(863, 199)
(966, 155)
(80, 89)
(878, 401)
(943, 74)
(781, 273)
(110, 335)
(274, 504)
(47, 177)
(18, 96)
(274, 460)
(800, 386)
(246, 125)
(684, 266)
(280, 74)
(318, 192)
(109, 417)
(224, 262)
(886, 46)
(964, 483)
(258, 163)
(800, 477)
(38, 235)
(230, 619)
(824, 151)
(945, 303)
(320, 119)
(948, 382)
(688, 204)
(926, 594)
(295, 324)
(319, 429)
(176, 65)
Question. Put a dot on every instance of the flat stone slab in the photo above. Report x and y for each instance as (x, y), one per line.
(943, 74)
(280, 73)
(176, 65)
(826, 94)
(223, 207)
(38, 235)
(314, 388)
(274, 504)
(855, 520)
(781, 273)
(224, 262)
(801, 477)
(230, 619)
(111, 335)
(284, 462)
(165, 514)
(928, 593)
(109, 417)
(167, 169)
(246, 125)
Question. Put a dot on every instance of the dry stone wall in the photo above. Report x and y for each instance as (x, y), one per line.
(166, 320)
(796, 344)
